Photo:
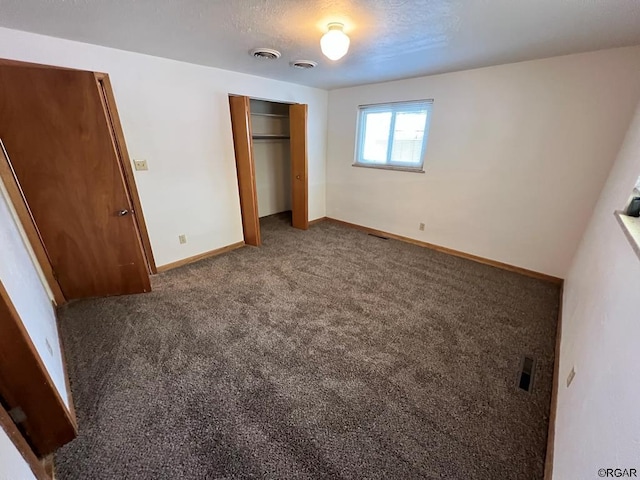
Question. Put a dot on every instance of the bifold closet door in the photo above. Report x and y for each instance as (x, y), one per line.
(60, 147)
(299, 173)
(245, 166)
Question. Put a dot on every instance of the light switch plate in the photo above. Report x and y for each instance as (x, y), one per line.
(141, 165)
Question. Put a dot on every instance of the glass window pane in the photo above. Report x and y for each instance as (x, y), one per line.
(376, 137)
(408, 136)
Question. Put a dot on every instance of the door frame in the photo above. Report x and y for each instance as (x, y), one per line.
(19, 202)
(49, 423)
(240, 112)
(10, 428)
(299, 166)
(17, 198)
(113, 118)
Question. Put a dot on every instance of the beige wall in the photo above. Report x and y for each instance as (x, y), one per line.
(516, 158)
(598, 420)
(273, 176)
(22, 278)
(12, 465)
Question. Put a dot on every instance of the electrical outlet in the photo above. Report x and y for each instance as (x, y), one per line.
(182, 238)
(421, 227)
(141, 165)
(571, 375)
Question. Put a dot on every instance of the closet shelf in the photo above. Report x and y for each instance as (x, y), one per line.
(264, 136)
(276, 115)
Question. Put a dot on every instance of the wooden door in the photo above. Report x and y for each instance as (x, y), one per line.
(299, 174)
(111, 111)
(57, 136)
(26, 386)
(243, 145)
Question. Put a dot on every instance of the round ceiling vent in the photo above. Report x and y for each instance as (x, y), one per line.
(304, 64)
(265, 53)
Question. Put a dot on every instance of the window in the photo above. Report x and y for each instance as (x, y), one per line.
(393, 135)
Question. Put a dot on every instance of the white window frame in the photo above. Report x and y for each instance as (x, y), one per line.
(394, 108)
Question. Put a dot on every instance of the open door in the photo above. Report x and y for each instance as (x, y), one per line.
(246, 171)
(299, 174)
(60, 145)
(27, 389)
(30, 347)
(245, 166)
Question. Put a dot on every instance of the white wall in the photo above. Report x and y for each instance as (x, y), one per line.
(273, 176)
(598, 420)
(517, 155)
(12, 465)
(272, 159)
(31, 300)
(176, 116)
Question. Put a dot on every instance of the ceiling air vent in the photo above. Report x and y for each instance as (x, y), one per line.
(304, 64)
(265, 53)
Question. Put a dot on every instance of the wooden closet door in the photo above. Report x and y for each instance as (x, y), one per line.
(58, 139)
(299, 174)
(243, 145)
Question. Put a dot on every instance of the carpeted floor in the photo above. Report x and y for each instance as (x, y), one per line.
(323, 354)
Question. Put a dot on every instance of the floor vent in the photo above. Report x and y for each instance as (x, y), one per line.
(527, 372)
(378, 236)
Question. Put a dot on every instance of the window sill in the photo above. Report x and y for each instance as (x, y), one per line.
(631, 228)
(389, 167)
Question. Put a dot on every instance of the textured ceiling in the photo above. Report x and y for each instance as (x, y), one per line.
(390, 39)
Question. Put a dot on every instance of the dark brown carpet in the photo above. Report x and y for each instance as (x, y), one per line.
(324, 354)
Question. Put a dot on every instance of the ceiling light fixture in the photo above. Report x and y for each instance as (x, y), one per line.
(335, 43)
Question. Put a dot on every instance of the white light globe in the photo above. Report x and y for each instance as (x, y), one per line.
(335, 43)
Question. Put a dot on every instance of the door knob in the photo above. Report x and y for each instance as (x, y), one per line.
(298, 177)
(122, 213)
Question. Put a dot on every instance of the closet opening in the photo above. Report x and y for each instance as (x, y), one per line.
(271, 160)
(272, 157)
